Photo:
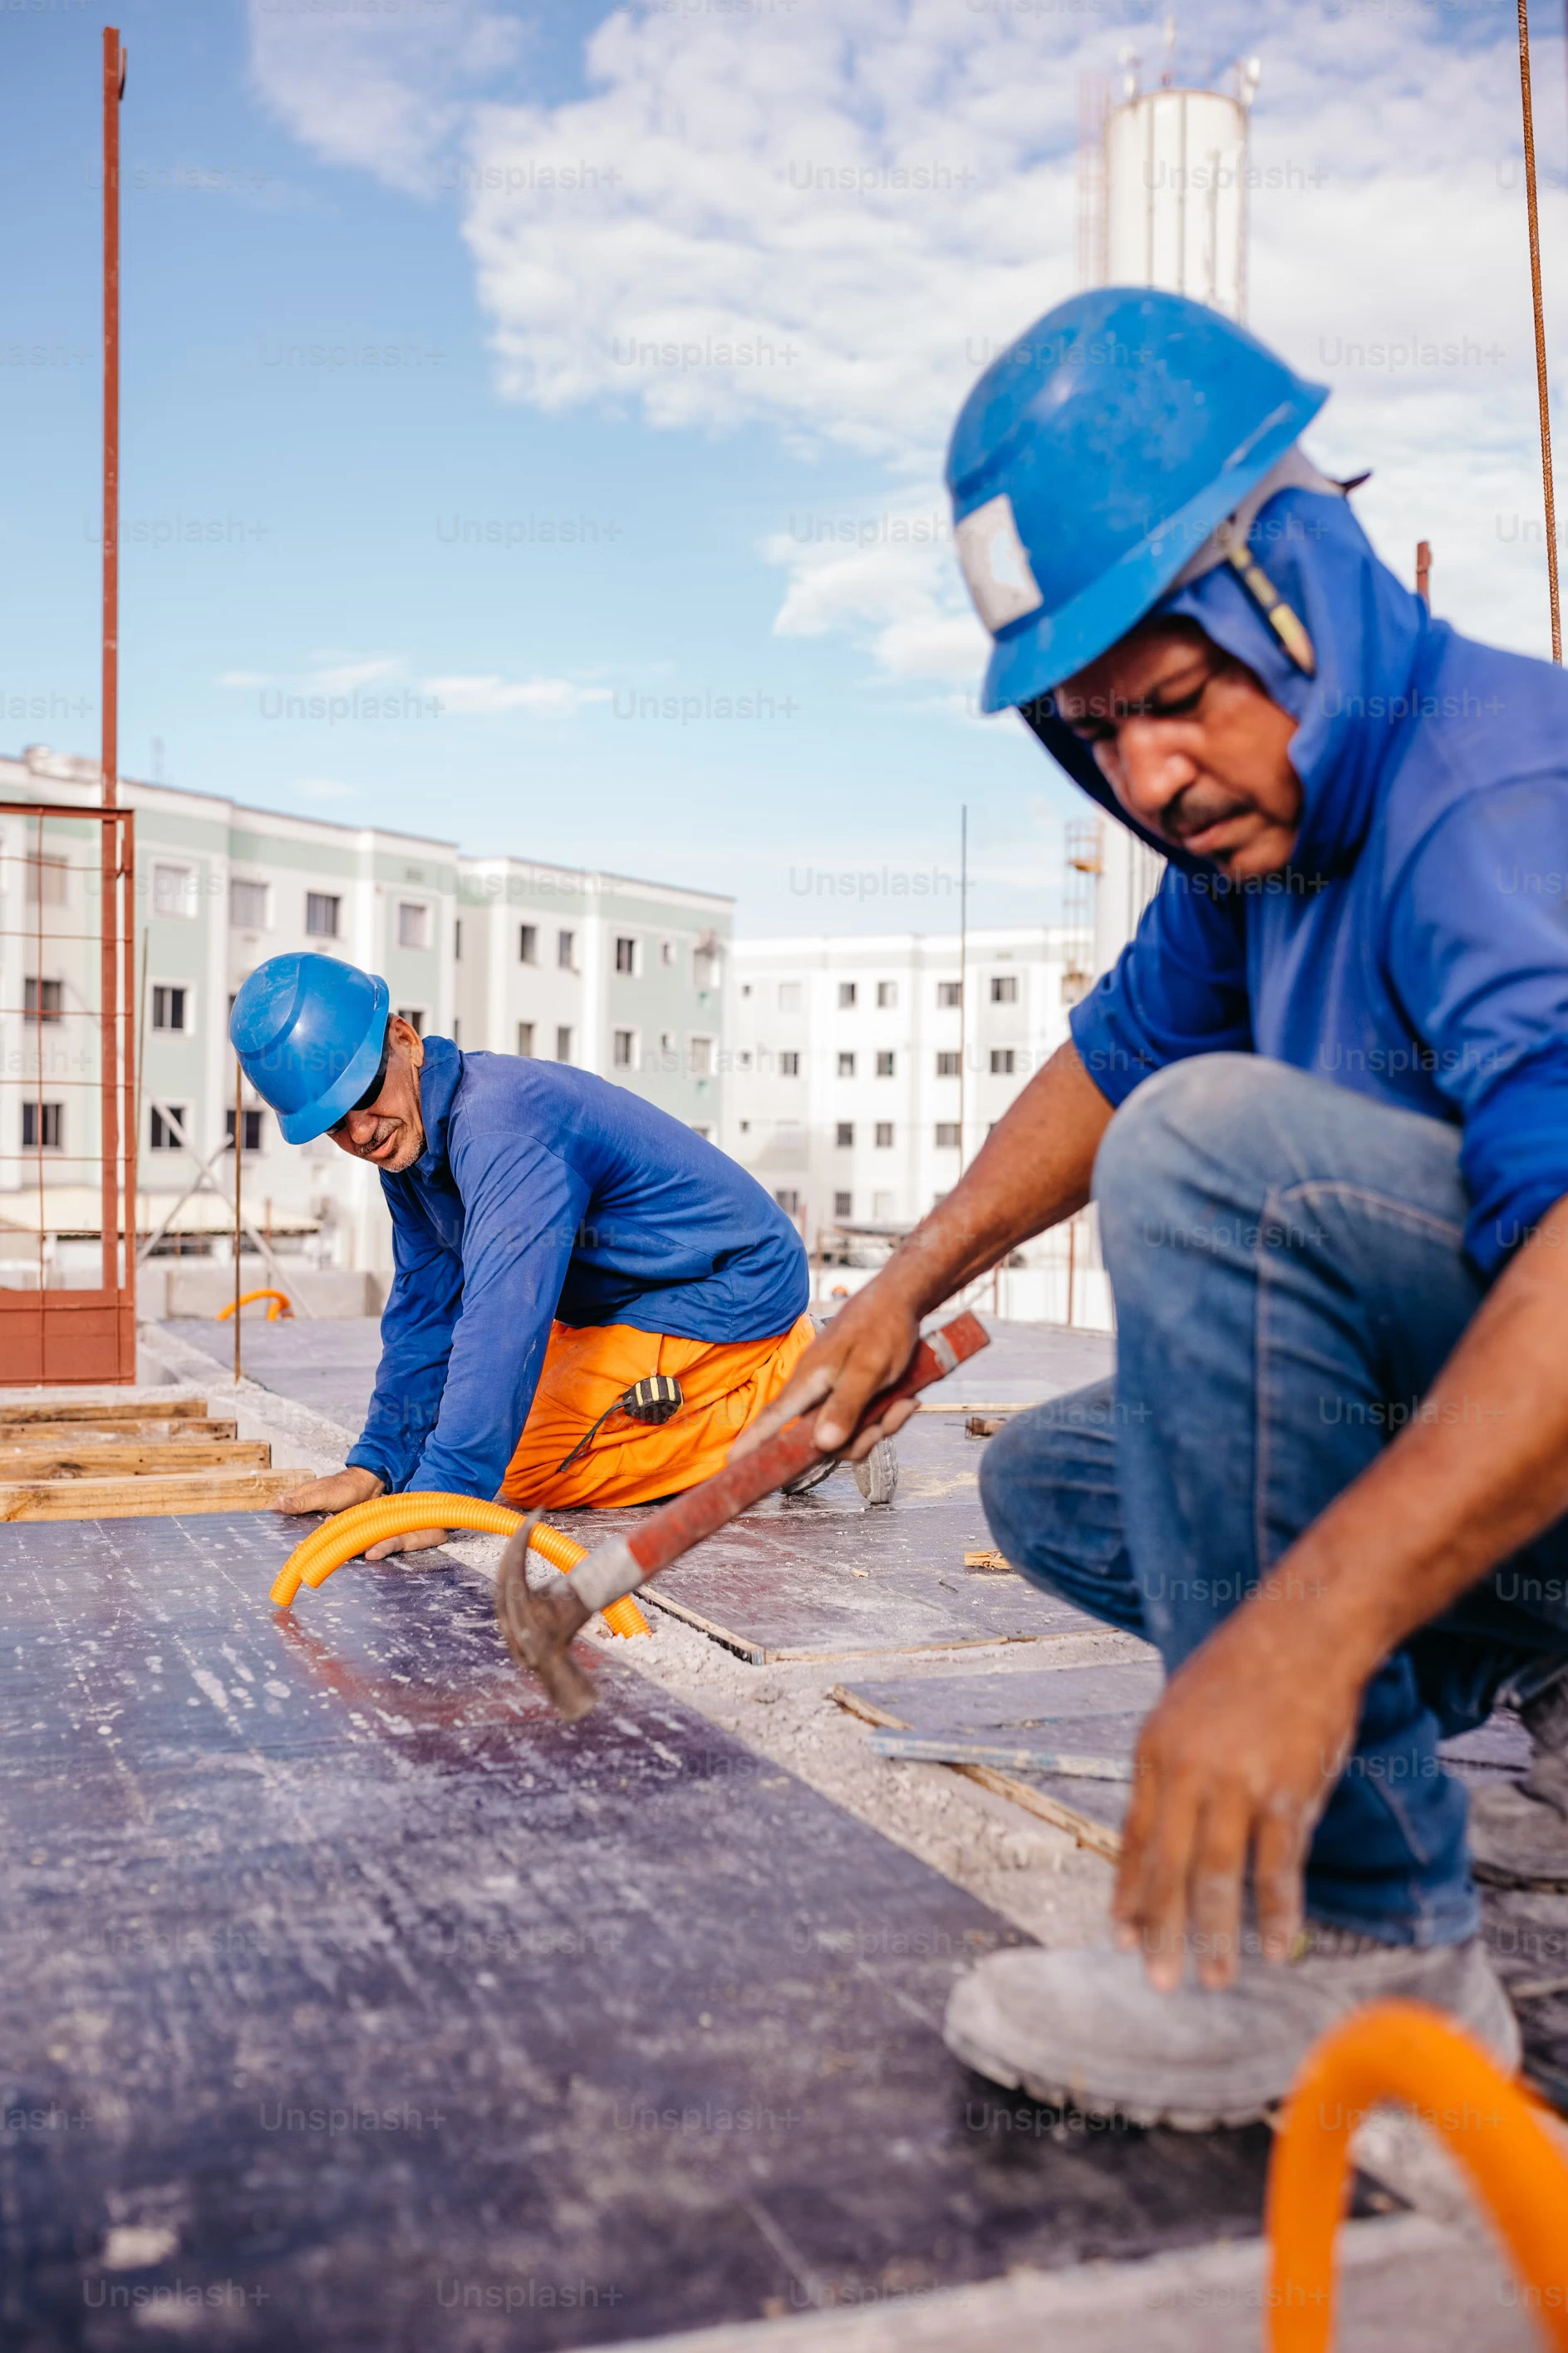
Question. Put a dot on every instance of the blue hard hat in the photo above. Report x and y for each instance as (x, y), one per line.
(1092, 460)
(308, 1033)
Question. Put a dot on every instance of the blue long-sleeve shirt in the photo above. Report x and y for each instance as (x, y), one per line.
(545, 1192)
(1417, 951)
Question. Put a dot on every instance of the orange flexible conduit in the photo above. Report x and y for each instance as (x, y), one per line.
(1402, 2051)
(345, 1536)
(282, 1305)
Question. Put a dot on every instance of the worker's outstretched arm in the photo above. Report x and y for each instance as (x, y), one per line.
(1033, 1170)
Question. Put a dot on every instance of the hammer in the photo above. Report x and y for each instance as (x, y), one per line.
(538, 1627)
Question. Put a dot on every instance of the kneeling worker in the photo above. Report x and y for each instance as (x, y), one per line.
(1322, 1103)
(557, 1242)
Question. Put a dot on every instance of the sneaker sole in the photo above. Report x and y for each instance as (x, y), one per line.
(1146, 2113)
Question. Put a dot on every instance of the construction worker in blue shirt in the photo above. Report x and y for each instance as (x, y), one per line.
(589, 1301)
(1322, 1103)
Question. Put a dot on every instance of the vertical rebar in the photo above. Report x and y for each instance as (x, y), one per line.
(110, 977)
(238, 1156)
(1543, 399)
(962, 971)
(1424, 570)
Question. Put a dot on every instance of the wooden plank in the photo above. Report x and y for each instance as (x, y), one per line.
(149, 1409)
(82, 1433)
(111, 1462)
(1089, 1833)
(150, 1498)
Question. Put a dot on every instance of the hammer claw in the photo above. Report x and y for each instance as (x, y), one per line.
(539, 1628)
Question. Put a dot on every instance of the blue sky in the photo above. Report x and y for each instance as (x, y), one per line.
(400, 276)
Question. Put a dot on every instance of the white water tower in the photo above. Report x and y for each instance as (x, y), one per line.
(1162, 202)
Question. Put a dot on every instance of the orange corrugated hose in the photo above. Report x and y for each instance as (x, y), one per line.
(282, 1305)
(1402, 2051)
(346, 1534)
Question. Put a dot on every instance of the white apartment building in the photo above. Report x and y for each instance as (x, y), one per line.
(866, 1073)
(621, 977)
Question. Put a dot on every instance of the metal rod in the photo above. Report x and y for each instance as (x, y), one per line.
(109, 756)
(1424, 570)
(238, 1154)
(1542, 392)
(963, 970)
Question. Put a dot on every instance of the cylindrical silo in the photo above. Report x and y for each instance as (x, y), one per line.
(1175, 195)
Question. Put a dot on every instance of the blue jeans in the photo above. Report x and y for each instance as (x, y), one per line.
(1287, 1263)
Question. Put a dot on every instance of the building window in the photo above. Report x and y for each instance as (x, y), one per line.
(456, 1032)
(625, 955)
(887, 994)
(700, 1057)
(1003, 988)
(563, 1039)
(566, 950)
(322, 913)
(743, 1061)
(525, 1041)
(252, 1129)
(43, 1000)
(845, 1135)
(174, 892)
(246, 905)
(846, 1066)
(745, 988)
(169, 1007)
(42, 1125)
(1003, 1060)
(947, 1136)
(883, 1208)
(412, 925)
(884, 1135)
(950, 992)
(845, 995)
(667, 1043)
(622, 1046)
(45, 881)
(667, 951)
(705, 967)
(457, 939)
(528, 944)
(843, 1205)
(705, 1132)
(789, 1066)
(415, 1016)
(788, 1201)
(168, 1129)
(745, 1127)
(789, 995)
(884, 1065)
(947, 1066)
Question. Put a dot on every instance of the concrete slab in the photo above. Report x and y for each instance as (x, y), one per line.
(327, 1365)
(348, 1998)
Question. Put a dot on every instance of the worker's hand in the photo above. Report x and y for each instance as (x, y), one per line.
(1238, 1759)
(867, 1345)
(338, 1493)
(417, 1540)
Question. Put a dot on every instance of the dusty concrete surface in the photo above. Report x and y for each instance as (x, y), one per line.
(1429, 2278)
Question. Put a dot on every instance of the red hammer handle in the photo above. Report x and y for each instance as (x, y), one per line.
(684, 1521)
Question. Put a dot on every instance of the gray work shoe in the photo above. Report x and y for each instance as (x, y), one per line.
(877, 1476)
(805, 1481)
(1087, 2030)
(1519, 1829)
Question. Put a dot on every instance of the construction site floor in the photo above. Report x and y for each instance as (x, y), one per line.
(348, 1998)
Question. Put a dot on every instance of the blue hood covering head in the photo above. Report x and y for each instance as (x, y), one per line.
(1368, 632)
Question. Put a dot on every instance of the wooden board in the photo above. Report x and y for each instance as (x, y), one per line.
(54, 1410)
(149, 1498)
(100, 1461)
(82, 1433)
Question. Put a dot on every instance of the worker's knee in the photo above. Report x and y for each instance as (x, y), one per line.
(1205, 1105)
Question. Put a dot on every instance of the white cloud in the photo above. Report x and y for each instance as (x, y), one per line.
(485, 698)
(829, 224)
(243, 677)
(338, 675)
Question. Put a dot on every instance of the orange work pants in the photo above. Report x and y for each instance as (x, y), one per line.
(725, 1385)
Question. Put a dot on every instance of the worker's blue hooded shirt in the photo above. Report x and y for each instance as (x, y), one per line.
(545, 1192)
(1416, 950)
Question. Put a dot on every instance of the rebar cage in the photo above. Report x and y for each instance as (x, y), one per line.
(67, 1094)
